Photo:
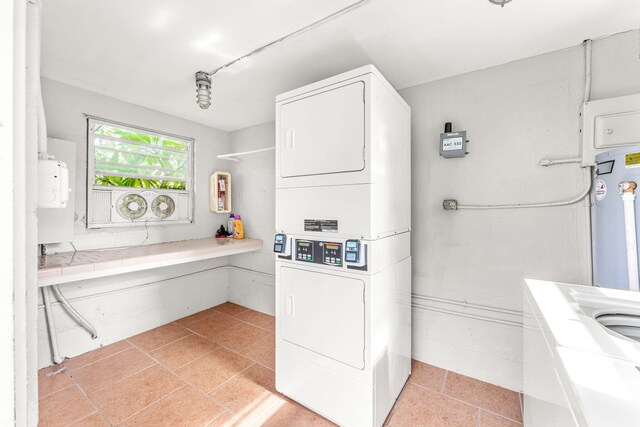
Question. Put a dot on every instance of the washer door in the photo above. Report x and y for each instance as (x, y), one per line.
(323, 313)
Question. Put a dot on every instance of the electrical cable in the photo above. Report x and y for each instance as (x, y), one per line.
(537, 205)
(547, 162)
(306, 28)
(146, 225)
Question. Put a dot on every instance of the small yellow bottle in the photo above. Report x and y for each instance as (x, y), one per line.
(238, 228)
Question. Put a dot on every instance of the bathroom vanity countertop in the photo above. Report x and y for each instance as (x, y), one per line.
(67, 267)
(599, 369)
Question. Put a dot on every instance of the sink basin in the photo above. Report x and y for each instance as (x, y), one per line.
(625, 324)
(619, 317)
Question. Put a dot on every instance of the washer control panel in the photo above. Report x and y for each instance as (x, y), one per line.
(304, 250)
(332, 253)
(317, 252)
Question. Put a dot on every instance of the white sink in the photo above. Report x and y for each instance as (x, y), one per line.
(621, 324)
(618, 317)
(581, 356)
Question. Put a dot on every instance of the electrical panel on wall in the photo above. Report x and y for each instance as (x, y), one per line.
(220, 192)
(453, 144)
(55, 223)
(609, 123)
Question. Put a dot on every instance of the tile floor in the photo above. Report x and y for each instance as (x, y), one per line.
(215, 368)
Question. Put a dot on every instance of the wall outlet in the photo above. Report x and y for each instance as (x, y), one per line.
(450, 205)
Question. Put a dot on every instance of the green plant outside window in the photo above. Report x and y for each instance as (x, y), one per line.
(128, 158)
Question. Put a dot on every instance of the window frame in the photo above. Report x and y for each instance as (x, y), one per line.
(90, 182)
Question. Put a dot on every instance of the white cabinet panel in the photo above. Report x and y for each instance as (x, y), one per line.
(323, 133)
(323, 313)
(615, 130)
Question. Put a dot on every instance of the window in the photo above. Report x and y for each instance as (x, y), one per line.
(134, 171)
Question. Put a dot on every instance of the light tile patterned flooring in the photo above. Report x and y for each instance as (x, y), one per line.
(215, 368)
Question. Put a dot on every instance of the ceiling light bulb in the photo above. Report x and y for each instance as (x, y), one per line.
(500, 3)
(203, 93)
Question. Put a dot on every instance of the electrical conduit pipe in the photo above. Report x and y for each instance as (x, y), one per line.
(627, 192)
(35, 103)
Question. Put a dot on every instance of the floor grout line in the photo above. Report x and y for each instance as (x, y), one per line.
(69, 369)
(208, 393)
(152, 403)
(463, 401)
(55, 392)
(83, 418)
(125, 378)
(172, 342)
(156, 348)
(227, 348)
(210, 423)
(98, 409)
(500, 415)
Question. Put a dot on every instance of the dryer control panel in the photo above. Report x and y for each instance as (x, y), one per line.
(318, 252)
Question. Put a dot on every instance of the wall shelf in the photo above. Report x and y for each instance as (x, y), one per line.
(220, 201)
(232, 156)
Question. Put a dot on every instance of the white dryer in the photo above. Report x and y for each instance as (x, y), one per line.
(343, 265)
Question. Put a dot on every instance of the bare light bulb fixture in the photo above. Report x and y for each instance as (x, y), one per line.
(203, 93)
(500, 3)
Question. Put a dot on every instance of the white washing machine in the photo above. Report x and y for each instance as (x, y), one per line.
(343, 338)
(343, 265)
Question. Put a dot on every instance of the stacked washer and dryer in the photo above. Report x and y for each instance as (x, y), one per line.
(343, 264)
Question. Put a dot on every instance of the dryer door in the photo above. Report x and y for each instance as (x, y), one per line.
(323, 313)
(323, 133)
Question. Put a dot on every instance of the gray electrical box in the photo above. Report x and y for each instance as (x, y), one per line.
(453, 144)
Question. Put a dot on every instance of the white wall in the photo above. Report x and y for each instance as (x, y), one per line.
(469, 266)
(64, 108)
(514, 115)
(124, 305)
(254, 198)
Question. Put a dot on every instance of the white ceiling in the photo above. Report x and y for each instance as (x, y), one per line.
(147, 51)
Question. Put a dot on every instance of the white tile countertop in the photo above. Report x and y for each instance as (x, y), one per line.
(68, 267)
(598, 368)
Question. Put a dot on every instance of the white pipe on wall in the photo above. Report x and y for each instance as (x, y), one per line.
(588, 47)
(584, 194)
(627, 189)
(51, 327)
(551, 162)
(35, 103)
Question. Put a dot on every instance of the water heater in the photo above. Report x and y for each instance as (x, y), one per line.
(616, 218)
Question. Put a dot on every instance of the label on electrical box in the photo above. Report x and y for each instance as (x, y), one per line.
(632, 160)
(450, 144)
(321, 225)
(601, 189)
